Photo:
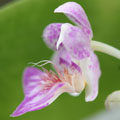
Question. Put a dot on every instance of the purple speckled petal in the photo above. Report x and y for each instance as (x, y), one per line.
(63, 59)
(51, 34)
(61, 53)
(32, 76)
(75, 41)
(40, 90)
(76, 13)
(91, 69)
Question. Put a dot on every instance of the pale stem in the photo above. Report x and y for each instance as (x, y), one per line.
(102, 47)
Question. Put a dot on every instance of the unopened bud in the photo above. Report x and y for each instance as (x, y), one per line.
(113, 100)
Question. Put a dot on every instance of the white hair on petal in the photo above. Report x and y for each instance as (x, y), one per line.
(44, 62)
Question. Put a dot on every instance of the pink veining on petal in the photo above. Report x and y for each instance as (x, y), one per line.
(40, 90)
(77, 14)
(72, 66)
(51, 34)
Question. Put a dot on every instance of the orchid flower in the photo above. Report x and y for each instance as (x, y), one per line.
(77, 66)
(75, 44)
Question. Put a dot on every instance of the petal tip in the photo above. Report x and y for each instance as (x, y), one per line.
(91, 98)
(15, 114)
(74, 94)
(12, 115)
(61, 7)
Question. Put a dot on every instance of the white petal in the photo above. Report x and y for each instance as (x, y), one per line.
(91, 71)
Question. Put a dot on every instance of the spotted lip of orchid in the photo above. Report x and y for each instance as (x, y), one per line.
(77, 65)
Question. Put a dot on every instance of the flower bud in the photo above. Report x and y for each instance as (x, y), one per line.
(113, 100)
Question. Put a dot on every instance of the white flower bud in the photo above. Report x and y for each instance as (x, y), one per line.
(113, 100)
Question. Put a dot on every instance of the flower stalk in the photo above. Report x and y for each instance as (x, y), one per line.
(105, 48)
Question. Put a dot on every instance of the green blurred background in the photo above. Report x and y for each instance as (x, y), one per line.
(21, 26)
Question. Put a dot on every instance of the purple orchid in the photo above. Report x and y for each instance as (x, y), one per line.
(74, 60)
(75, 44)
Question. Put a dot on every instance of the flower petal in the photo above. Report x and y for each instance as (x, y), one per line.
(61, 53)
(74, 94)
(40, 90)
(63, 59)
(76, 13)
(71, 72)
(75, 41)
(51, 34)
(91, 70)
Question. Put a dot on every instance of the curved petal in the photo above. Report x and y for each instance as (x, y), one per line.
(91, 70)
(75, 41)
(76, 13)
(51, 34)
(40, 89)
